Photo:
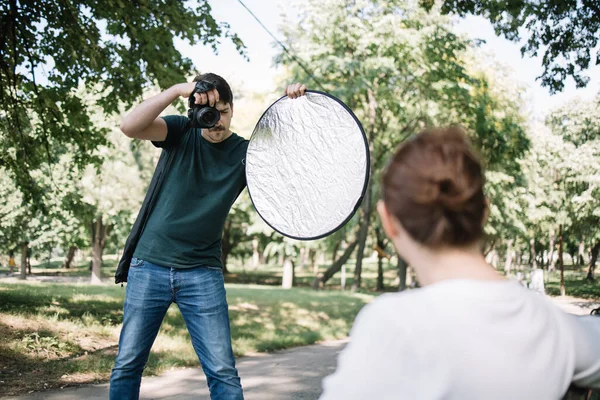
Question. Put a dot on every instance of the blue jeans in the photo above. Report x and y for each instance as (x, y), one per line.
(200, 294)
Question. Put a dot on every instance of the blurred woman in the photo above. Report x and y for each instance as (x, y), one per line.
(12, 265)
(468, 333)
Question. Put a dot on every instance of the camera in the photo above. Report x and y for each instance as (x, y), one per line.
(202, 115)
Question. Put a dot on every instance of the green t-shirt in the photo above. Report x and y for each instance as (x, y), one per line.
(185, 226)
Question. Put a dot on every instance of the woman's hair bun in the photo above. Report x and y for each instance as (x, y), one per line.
(434, 187)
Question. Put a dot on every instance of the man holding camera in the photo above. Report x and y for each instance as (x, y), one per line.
(173, 253)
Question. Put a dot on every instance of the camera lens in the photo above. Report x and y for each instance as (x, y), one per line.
(207, 117)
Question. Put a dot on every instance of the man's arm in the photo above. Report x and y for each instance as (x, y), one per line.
(143, 121)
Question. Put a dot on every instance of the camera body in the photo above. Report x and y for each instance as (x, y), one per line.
(202, 115)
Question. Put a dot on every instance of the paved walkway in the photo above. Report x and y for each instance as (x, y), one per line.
(292, 374)
(576, 305)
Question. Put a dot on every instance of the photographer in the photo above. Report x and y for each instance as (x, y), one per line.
(173, 253)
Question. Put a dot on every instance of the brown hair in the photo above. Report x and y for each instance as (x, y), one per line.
(434, 187)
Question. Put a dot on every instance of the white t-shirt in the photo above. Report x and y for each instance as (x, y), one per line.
(466, 339)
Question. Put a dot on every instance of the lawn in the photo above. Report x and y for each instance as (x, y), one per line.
(240, 273)
(54, 335)
(575, 284)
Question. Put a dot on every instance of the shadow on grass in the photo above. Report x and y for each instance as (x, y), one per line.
(576, 287)
(97, 303)
(31, 363)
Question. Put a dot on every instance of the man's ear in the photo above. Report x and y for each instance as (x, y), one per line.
(387, 221)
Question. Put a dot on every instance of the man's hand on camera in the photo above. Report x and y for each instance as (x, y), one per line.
(295, 90)
(211, 97)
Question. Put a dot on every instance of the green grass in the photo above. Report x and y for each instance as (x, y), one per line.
(575, 284)
(82, 269)
(57, 334)
(270, 275)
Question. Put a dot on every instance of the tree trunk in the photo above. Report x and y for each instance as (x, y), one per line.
(70, 255)
(560, 260)
(366, 206)
(99, 234)
(49, 256)
(532, 260)
(343, 278)
(379, 274)
(255, 255)
(362, 239)
(593, 260)
(334, 252)
(23, 274)
(581, 252)
(335, 267)
(226, 245)
(28, 260)
(303, 257)
(551, 264)
(402, 270)
(224, 258)
(508, 262)
(489, 247)
(288, 279)
(262, 258)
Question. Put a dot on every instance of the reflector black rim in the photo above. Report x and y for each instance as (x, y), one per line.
(365, 186)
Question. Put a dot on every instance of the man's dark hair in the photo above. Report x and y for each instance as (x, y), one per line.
(225, 94)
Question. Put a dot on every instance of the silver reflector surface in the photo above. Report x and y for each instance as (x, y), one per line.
(307, 165)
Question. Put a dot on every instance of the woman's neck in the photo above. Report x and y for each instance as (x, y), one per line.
(432, 266)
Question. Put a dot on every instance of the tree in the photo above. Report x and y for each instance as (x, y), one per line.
(288, 249)
(20, 223)
(565, 30)
(545, 199)
(383, 60)
(400, 70)
(578, 124)
(116, 50)
(111, 195)
(235, 235)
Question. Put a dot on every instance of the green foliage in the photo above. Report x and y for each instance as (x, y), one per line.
(577, 122)
(236, 241)
(566, 31)
(115, 49)
(578, 126)
(401, 70)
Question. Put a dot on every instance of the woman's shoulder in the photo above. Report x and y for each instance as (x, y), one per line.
(394, 309)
